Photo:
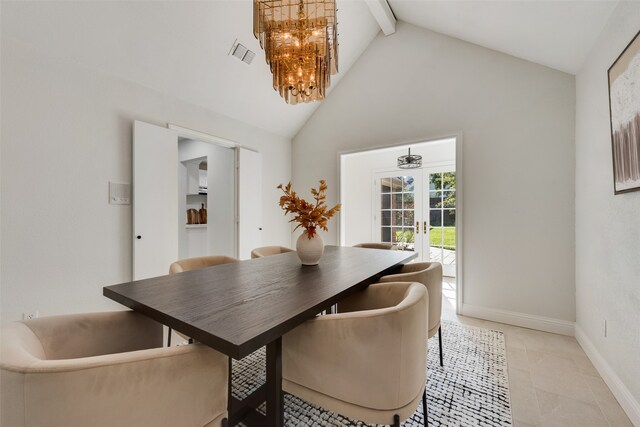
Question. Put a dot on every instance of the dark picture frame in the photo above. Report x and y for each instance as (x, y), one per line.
(624, 117)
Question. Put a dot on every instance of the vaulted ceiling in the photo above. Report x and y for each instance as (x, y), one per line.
(558, 34)
(181, 47)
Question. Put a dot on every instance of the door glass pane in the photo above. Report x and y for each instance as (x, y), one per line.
(396, 184)
(449, 238)
(435, 244)
(396, 218)
(386, 235)
(396, 200)
(404, 237)
(386, 218)
(449, 247)
(385, 185)
(435, 181)
(435, 199)
(449, 217)
(435, 218)
(386, 201)
(407, 183)
(408, 199)
(396, 234)
(449, 199)
(408, 218)
(448, 180)
(408, 241)
(435, 237)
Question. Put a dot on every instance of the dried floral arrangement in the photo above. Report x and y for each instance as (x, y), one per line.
(309, 216)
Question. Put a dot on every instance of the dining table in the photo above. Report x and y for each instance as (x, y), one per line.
(240, 307)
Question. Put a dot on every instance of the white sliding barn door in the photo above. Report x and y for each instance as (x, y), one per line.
(249, 202)
(155, 200)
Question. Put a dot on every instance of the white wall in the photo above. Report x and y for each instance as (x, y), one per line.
(517, 121)
(66, 132)
(607, 226)
(356, 180)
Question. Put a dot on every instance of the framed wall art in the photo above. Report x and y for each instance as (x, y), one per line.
(624, 110)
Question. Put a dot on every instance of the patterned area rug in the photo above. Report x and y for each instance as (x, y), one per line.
(472, 389)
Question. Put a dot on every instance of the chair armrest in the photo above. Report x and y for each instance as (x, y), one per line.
(375, 296)
(34, 365)
(91, 334)
(409, 272)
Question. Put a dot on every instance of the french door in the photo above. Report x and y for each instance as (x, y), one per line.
(416, 210)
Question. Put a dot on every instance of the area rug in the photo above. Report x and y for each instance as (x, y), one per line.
(472, 389)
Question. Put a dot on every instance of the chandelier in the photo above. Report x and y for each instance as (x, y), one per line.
(409, 161)
(300, 41)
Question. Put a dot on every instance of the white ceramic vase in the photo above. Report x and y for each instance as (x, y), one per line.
(310, 250)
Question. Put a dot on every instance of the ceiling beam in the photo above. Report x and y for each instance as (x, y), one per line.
(381, 10)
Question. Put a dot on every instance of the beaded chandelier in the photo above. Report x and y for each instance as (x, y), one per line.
(300, 41)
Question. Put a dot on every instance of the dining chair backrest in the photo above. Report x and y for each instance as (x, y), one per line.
(269, 250)
(199, 263)
(387, 246)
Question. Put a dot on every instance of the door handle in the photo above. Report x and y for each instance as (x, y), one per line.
(417, 227)
(138, 237)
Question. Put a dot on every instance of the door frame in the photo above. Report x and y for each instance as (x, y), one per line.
(458, 136)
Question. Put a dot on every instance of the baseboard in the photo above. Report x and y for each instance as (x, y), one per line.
(630, 405)
(540, 323)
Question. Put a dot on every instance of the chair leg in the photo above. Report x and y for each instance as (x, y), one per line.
(396, 421)
(169, 338)
(425, 414)
(440, 341)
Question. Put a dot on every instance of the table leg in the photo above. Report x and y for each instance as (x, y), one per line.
(275, 404)
(230, 401)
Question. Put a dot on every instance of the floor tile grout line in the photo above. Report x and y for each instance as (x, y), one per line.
(597, 402)
(535, 395)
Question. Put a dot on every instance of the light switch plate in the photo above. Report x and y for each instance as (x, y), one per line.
(119, 193)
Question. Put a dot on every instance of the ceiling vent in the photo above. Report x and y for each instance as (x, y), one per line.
(242, 53)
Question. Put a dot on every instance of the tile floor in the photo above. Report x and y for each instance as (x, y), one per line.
(552, 382)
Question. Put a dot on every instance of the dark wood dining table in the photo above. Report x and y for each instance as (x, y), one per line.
(238, 308)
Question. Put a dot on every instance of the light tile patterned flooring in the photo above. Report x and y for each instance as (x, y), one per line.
(552, 382)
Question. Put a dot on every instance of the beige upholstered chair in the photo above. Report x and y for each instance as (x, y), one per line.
(197, 263)
(387, 246)
(368, 362)
(268, 251)
(108, 370)
(430, 275)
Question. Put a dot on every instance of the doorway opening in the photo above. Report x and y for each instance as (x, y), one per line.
(193, 194)
(412, 209)
(206, 196)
